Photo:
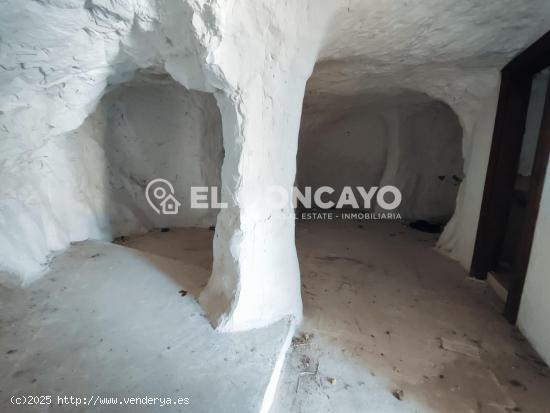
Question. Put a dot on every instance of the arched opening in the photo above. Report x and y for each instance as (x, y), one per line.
(372, 282)
(128, 308)
(146, 148)
(148, 128)
(399, 137)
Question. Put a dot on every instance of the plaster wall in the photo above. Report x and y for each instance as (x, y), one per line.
(151, 127)
(430, 165)
(350, 151)
(458, 237)
(409, 141)
(93, 179)
(58, 60)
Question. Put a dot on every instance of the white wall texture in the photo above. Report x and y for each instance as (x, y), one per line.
(534, 312)
(407, 140)
(150, 127)
(59, 57)
(348, 151)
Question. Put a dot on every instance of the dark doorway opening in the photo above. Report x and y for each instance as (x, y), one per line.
(513, 186)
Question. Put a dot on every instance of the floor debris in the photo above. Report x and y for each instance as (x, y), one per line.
(351, 326)
(466, 348)
(398, 394)
(302, 339)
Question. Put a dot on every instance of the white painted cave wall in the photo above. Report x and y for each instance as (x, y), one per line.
(151, 127)
(477, 119)
(415, 147)
(430, 165)
(349, 151)
(92, 179)
(58, 60)
(60, 57)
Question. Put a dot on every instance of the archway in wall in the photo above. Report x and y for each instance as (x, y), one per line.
(375, 292)
(401, 138)
(146, 129)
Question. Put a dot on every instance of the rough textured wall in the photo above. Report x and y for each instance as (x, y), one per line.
(150, 127)
(407, 140)
(429, 167)
(58, 59)
(256, 277)
(458, 237)
(348, 151)
(444, 49)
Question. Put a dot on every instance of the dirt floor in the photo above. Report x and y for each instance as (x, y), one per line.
(390, 325)
(393, 326)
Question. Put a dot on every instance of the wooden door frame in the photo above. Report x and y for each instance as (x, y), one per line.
(515, 90)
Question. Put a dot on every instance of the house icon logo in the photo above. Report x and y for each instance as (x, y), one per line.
(162, 191)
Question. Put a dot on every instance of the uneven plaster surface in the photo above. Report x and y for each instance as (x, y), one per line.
(60, 57)
(147, 128)
(404, 139)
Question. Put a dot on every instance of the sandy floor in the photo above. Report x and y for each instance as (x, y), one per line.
(390, 326)
(393, 326)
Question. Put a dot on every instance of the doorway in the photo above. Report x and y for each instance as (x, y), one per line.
(515, 175)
